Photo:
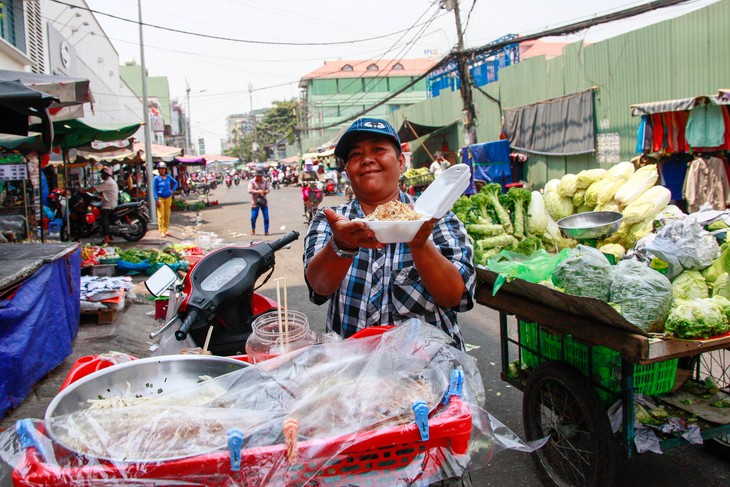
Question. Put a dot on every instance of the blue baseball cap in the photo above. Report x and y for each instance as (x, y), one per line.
(362, 126)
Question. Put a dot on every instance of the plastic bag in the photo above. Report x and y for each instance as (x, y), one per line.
(534, 268)
(586, 272)
(293, 416)
(643, 294)
(684, 244)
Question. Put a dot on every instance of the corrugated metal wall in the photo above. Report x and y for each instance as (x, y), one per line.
(678, 58)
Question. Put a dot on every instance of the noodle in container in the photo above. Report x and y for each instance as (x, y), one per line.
(435, 202)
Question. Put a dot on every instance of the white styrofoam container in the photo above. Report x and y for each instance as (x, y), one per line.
(435, 202)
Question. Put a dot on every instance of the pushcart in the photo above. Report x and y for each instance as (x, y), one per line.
(574, 358)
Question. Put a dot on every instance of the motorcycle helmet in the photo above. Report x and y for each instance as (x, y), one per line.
(161, 165)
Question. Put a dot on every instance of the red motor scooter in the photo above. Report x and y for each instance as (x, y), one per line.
(219, 291)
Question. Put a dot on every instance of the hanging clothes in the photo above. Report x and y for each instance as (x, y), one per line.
(705, 126)
(658, 141)
(673, 170)
(707, 182)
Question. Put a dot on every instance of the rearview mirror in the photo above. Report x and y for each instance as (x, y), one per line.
(161, 281)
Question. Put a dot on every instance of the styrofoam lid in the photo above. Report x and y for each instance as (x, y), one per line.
(443, 192)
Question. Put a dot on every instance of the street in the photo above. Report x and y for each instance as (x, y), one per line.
(230, 220)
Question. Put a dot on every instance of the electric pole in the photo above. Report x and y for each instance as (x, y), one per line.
(147, 132)
(298, 117)
(468, 112)
(255, 145)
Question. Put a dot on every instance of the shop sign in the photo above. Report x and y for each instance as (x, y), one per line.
(608, 148)
(13, 172)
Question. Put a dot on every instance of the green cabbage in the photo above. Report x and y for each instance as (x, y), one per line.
(699, 318)
(579, 197)
(640, 182)
(568, 185)
(690, 285)
(721, 286)
(589, 176)
(586, 273)
(536, 215)
(558, 206)
(645, 295)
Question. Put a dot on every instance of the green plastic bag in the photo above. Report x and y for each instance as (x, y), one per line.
(533, 268)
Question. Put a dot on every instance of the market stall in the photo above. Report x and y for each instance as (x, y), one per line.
(621, 339)
(39, 313)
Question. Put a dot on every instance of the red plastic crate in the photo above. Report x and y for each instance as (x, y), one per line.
(379, 454)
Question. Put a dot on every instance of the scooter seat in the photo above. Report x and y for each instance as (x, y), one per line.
(132, 204)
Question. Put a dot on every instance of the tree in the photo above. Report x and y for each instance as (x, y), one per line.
(279, 123)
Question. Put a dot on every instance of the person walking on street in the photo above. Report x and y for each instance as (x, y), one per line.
(109, 191)
(439, 165)
(163, 186)
(368, 283)
(258, 187)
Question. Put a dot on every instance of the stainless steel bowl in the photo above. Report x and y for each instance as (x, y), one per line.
(591, 225)
(147, 377)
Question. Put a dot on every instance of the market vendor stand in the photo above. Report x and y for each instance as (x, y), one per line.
(557, 383)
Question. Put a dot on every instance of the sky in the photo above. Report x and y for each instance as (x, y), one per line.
(220, 71)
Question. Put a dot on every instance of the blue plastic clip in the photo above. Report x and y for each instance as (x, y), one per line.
(456, 385)
(420, 408)
(28, 436)
(235, 441)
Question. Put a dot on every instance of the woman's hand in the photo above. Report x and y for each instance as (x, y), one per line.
(350, 235)
(423, 234)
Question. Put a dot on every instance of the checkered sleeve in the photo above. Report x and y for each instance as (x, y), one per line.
(318, 234)
(451, 239)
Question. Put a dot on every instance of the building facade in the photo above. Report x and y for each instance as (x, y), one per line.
(338, 90)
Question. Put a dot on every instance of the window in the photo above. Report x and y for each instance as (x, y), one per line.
(372, 67)
(346, 67)
(7, 23)
(397, 67)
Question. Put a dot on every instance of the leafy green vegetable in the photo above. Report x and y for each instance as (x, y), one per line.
(719, 266)
(529, 245)
(517, 200)
(558, 206)
(586, 273)
(690, 285)
(645, 295)
(489, 206)
(699, 318)
(484, 229)
(499, 241)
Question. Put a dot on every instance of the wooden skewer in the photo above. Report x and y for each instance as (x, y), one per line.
(207, 341)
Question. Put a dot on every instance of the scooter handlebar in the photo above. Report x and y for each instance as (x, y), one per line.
(284, 241)
(182, 332)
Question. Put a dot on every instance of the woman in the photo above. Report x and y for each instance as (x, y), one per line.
(163, 185)
(258, 187)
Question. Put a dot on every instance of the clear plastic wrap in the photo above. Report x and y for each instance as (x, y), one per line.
(342, 413)
(586, 272)
(643, 294)
(684, 244)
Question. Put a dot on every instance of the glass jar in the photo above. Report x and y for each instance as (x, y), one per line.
(271, 337)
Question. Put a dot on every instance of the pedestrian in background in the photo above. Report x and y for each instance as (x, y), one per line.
(439, 165)
(109, 191)
(258, 187)
(163, 185)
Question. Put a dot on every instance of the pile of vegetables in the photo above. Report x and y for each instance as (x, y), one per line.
(150, 256)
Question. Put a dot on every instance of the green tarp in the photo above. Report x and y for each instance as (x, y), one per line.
(70, 134)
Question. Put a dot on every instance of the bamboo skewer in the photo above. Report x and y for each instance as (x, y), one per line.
(207, 340)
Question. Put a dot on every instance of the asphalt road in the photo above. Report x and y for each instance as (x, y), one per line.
(230, 220)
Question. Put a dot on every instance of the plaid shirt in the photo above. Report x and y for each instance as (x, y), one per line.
(383, 287)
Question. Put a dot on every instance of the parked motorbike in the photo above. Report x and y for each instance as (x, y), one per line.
(128, 220)
(219, 291)
(314, 198)
(229, 181)
(330, 188)
(286, 181)
(237, 180)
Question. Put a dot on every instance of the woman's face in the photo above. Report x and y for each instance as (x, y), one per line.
(374, 167)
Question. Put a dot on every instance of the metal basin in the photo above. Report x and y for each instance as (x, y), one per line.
(591, 225)
(148, 377)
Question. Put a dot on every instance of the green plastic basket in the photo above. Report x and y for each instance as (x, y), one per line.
(534, 351)
(652, 380)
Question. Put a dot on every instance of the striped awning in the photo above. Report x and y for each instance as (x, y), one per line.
(679, 105)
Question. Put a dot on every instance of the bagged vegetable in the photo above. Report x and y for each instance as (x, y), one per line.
(640, 182)
(699, 318)
(534, 268)
(586, 273)
(690, 285)
(588, 177)
(644, 295)
(647, 205)
(684, 244)
(536, 215)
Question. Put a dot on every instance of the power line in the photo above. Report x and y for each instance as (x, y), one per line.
(230, 39)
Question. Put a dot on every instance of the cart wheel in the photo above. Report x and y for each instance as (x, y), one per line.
(561, 403)
(716, 364)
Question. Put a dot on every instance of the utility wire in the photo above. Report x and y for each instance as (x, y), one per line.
(231, 39)
(567, 29)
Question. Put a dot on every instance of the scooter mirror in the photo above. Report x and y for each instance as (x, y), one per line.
(159, 282)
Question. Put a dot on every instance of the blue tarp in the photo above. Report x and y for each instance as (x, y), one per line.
(37, 326)
(489, 162)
